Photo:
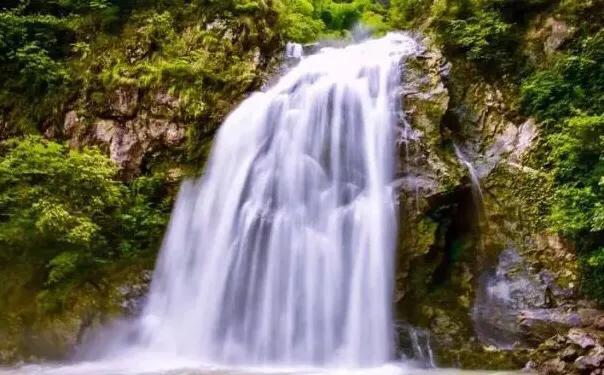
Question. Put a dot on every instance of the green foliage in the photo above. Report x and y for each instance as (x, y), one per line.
(577, 151)
(482, 31)
(407, 13)
(585, 14)
(66, 209)
(298, 21)
(54, 196)
(339, 16)
(577, 158)
(208, 68)
(482, 38)
(573, 84)
(309, 20)
(568, 99)
(31, 68)
(145, 215)
(35, 40)
(37, 70)
(62, 266)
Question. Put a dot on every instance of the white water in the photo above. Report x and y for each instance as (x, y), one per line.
(157, 367)
(282, 253)
(419, 346)
(474, 177)
(279, 260)
(294, 51)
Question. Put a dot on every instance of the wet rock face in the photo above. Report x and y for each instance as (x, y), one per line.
(131, 296)
(501, 295)
(122, 103)
(424, 167)
(438, 266)
(128, 133)
(546, 35)
(518, 304)
(424, 170)
(483, 278)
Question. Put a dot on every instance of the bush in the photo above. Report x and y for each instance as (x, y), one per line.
(573, 84)
(298, 21)
(65, 208)
(406, 13)
(578, 168)
(143, 219)
(480, 30)
(578, 206)
(483, 38)
(53, 197)
(567, 98)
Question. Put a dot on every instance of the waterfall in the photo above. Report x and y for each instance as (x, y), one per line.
(282, 252)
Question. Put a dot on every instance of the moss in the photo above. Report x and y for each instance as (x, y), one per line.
(53, 323)
(426, 234)
(522, 193)
(477, 357)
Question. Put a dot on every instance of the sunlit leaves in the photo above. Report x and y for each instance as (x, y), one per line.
(65, 207)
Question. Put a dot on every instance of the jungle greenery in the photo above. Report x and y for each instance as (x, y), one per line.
(65, 209)
(567, 97)
(70, 211)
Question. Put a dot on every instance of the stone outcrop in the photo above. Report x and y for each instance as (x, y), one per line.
(546, 35)
(476, 269)
(128, 132)
(439, 212)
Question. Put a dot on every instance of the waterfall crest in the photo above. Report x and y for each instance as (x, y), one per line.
(282, 253)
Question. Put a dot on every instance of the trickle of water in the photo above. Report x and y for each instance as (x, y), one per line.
(282, 253)
(476, 189)
(416, 345)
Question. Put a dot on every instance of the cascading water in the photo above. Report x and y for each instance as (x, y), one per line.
(475, 179)
(282, 253)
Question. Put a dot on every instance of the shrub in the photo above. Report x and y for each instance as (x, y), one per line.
(573, 84)
(54, 197)
(298, 22)
(577, 159)
(483, 38)
(66, 209)
(406, 13)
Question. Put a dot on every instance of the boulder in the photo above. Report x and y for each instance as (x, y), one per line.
(579, 351)
(594, 359)
(557, 33)
(554, 367)
(581, 338)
